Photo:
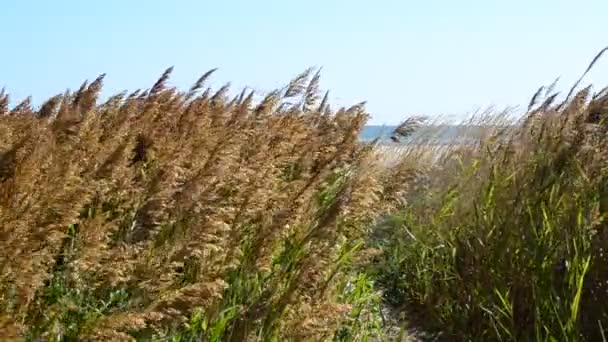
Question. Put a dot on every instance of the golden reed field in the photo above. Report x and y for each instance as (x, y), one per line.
(208, 215)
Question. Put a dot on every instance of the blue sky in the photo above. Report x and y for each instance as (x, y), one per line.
(402, 57)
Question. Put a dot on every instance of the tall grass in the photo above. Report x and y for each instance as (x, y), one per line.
(164, 215)
(184, 216)
(506, 240)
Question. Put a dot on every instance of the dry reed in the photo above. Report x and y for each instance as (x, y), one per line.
(128, 219)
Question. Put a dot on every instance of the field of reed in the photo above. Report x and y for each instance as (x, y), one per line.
(202, 215)
(169, 215)
(506, 240)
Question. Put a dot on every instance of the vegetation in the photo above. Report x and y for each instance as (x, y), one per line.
(184, 215)
(165, 215)
(506, 240)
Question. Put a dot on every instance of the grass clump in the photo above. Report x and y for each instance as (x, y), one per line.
(505, 240)
(169, 215)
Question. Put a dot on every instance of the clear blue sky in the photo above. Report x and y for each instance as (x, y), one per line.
(403, 57)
